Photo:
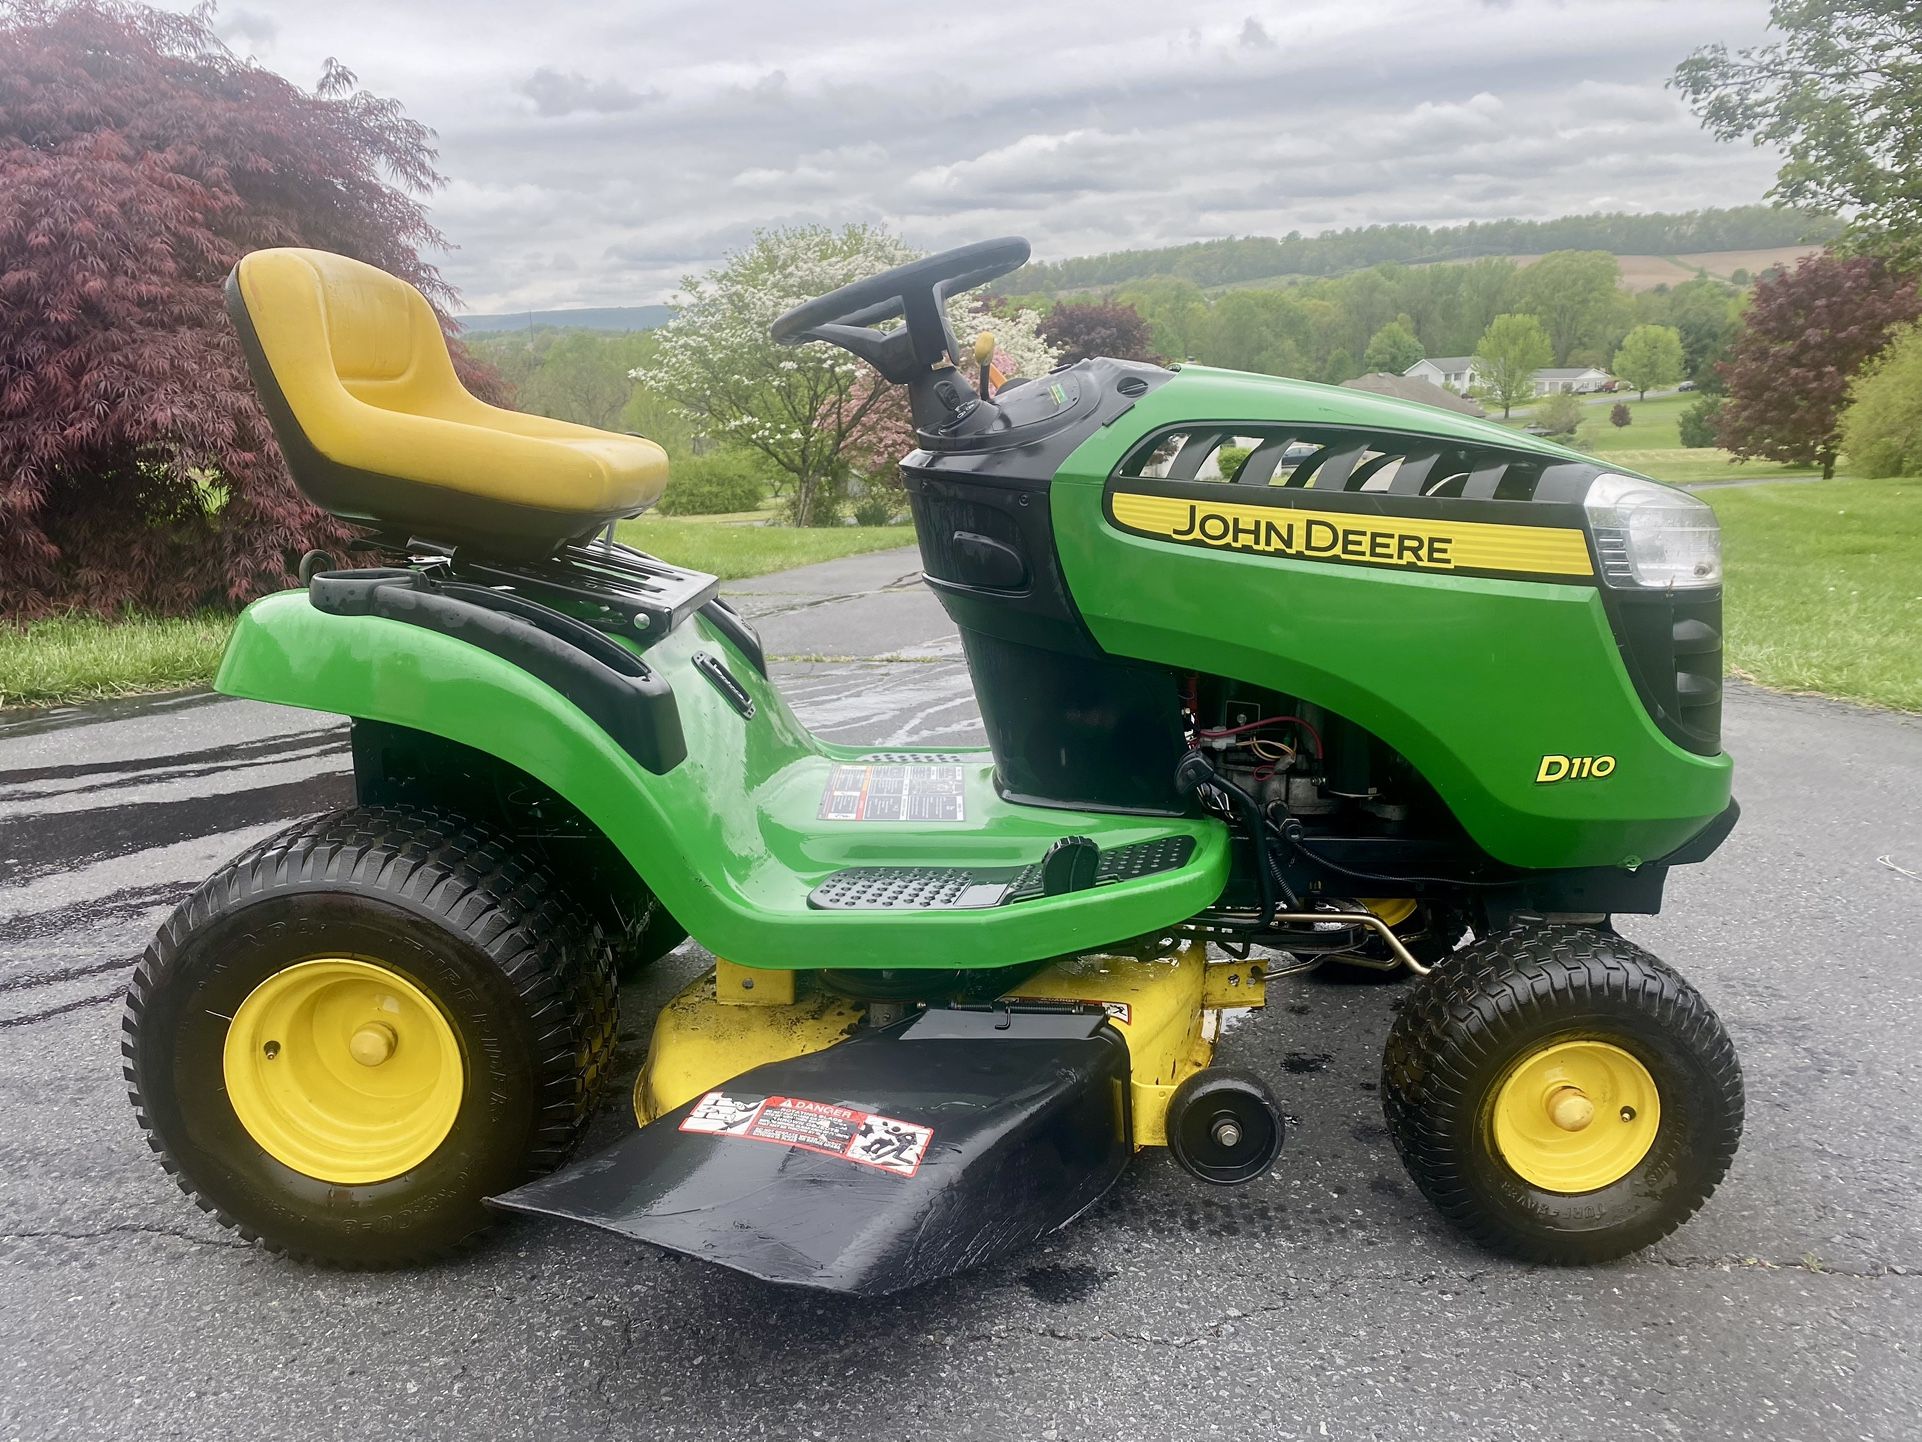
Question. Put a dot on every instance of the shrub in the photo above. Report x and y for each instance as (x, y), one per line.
(713, 485)
(880, 506)
(1618, 415)
(1230, 458)
(1559, 414)
(1882, 427)
(1701, 422)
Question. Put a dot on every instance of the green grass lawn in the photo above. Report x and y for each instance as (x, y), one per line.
(1825, 587)
(725, 547)
(84, 659)
(1651, 444)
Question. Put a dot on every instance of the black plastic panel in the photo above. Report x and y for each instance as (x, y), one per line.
(1019, 1116)
(618, 691)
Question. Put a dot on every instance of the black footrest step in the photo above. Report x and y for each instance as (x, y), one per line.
(973, 888)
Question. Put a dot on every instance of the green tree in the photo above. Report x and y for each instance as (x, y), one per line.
(1393, 348)
(1512, 349)
(1340, 367)
(1706, 314)
(1570, 293)
(1651, 356)
(1882, 427)
(1176, 312)
(1700, 424)
(585, 377)
(1838, 94)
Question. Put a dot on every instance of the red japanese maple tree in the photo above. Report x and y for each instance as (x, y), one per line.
(1804, 336)
(1079, 329)
(139, 160)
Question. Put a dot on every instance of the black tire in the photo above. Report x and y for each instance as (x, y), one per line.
(524, 978)
(1464, 1028)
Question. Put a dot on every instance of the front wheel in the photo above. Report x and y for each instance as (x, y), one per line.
(350, 1036)
(1561, 1095)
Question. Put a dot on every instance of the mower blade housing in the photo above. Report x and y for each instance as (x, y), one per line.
(891, 1159)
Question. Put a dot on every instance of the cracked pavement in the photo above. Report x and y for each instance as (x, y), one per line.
(1324, 1300)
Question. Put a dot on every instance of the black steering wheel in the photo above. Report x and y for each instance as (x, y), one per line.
(918, 292)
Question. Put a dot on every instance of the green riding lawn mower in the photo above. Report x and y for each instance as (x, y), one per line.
(1273, 675)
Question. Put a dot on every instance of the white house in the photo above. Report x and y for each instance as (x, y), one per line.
(1455, 372)
(1581, 380)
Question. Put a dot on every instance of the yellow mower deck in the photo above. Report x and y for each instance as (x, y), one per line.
(1166, 1004)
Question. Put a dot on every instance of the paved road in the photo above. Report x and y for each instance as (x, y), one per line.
(1322, 1301)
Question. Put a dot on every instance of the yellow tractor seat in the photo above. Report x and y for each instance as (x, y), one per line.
(354, 373)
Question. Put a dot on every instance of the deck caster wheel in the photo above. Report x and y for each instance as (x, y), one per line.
(355, 1032)
(1224, 1127)
(1561, 1095)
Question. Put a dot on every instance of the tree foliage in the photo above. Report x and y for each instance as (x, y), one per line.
(581, 376)
(1839, 94)
(1560, 414)
(1393, 348)
(139, 160)
(1238, 260)
(1618, 415)
(799, 406)
(1650, 356)
(1081, 329)
(1807, 332)
(814, 411)
(1700, 424)
(1882, 427)
(1512, 349)
(1569, 292)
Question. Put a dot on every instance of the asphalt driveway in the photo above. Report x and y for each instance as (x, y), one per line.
(1323, 1301)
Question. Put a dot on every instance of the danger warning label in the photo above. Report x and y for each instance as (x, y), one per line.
(861, 1137)
(895, 793)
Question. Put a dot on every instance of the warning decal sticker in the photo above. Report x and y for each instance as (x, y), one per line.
(895, 793)
(883, 1143)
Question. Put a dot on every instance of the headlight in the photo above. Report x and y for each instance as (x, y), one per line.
(1652, 535)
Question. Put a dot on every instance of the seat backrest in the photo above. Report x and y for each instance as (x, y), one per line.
(329, 328)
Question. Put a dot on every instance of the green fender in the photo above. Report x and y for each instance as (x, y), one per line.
(731, 838)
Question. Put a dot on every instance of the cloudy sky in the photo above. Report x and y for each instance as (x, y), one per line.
(598, 152)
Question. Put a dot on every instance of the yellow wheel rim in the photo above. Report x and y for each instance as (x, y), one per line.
(343, 1070)
(1576, 1116)
(1393, 910)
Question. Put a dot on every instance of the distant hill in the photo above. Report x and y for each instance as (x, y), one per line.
(606, 317)
(1240, 260)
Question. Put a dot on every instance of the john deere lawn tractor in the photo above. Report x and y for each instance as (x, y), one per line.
(1273, 676)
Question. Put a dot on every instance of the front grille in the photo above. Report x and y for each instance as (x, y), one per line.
(1673, 647)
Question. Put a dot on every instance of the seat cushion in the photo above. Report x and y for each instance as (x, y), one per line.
(376, 425)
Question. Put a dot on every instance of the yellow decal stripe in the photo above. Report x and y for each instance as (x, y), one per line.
(1347, 536)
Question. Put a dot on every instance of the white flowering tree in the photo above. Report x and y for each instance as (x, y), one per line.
(812, 410)
(797, 405)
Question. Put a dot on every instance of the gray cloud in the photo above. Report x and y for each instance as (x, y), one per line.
(555, 92)
(660, 136)
(246, 26)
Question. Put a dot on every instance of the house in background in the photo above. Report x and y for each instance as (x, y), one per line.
(1457, 373)
(1414, 388)
(1580, 380)
(1453, 372)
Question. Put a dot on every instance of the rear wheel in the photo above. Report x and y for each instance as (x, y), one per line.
(1562, 1095)
(352, 1034)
